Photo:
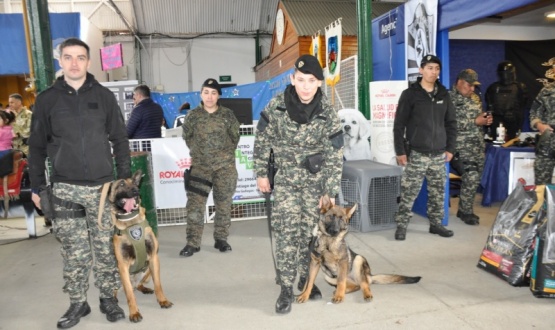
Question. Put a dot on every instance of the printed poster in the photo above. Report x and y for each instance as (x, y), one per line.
(384, 98)
(420, 33)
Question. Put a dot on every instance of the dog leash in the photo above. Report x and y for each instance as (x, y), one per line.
(103, 196)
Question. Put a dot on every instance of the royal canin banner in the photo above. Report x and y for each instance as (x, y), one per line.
(170, 157)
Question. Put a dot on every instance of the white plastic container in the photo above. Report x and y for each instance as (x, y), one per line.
(501, 133)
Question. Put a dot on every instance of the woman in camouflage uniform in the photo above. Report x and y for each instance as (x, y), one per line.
(211, 133)
(304, 131)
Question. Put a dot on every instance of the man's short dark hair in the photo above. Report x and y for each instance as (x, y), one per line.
(75, 42)
(16, 96)
(143, 90)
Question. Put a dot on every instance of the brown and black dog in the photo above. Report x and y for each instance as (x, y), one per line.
(135, 244)
(343, 268)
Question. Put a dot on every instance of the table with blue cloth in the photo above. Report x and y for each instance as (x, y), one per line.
(494, 184)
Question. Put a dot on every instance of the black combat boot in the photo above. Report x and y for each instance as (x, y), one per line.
(315, 293)
(73, 315)
(109, 306)
(285, 299)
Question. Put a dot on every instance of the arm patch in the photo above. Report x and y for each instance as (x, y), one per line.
(263, 122)
(337, 139)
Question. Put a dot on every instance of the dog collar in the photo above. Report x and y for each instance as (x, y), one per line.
(128, 216)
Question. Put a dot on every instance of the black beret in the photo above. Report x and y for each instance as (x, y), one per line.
(309, 64)
(212, 83)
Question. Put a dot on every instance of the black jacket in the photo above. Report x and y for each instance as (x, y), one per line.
(145, 121)
(428, 122)
(76, 129)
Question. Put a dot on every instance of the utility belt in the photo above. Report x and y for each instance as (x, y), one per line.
(432, 153)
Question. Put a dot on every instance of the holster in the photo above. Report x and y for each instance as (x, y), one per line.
(46, 202)
(456, 164)
(314, 163)
(187, 178)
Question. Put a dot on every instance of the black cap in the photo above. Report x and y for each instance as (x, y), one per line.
(309, 64)
(212, 83)
(430, 59)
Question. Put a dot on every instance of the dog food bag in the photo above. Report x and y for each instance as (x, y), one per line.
(509, 248)
(542, 271)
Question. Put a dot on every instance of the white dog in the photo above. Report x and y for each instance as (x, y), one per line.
(356, 131)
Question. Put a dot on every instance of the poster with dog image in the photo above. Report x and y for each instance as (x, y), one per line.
(356, 135)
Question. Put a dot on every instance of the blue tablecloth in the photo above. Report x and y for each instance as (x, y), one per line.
(494, 184)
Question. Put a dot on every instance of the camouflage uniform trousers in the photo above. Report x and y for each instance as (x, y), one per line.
(294, 216)
(224, 181)
(80, 238)
(543, 169)
(418, 167)
(473, 155)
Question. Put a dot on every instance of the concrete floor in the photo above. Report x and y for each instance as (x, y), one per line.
(236, 290)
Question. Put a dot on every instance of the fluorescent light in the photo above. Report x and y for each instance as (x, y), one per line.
(550, 14)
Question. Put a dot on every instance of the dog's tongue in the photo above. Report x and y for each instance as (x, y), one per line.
(129, 205)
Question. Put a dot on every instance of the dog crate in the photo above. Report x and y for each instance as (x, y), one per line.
(376, 188)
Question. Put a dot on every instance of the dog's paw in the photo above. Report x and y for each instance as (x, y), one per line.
(302, 298)
(144, 289)
(368, 298)
(337, 299)
(135, 317)
(165, 304)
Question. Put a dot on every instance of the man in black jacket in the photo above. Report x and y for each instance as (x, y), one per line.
(146, 118)
(425, 124)
(74, 123)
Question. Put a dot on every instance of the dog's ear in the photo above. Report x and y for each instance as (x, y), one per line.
(137, 176)
(350, 211)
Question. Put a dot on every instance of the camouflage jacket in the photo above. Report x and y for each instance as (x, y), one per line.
(22, 129)
(293, 142)
(211, 137)
(543, 107)
(466, 110)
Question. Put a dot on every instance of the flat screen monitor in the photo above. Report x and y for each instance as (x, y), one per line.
(242, 108)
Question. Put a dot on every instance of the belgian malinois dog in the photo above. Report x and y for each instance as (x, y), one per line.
(135, 245)
(343, 268)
